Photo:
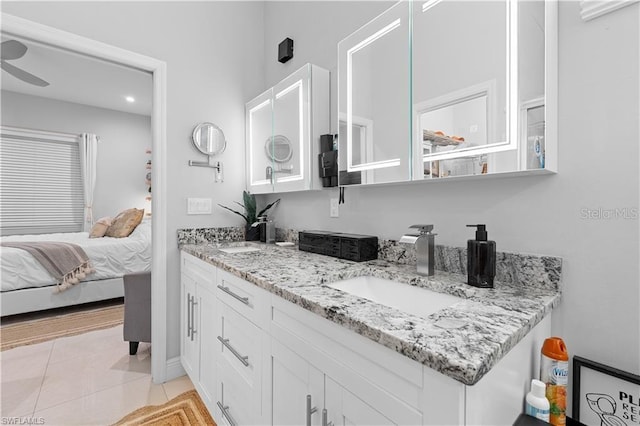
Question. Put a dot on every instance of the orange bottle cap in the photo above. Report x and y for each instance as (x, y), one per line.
(555, 348)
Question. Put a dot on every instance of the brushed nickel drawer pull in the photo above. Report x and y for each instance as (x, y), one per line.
(310, 410)
(193, 319)
(244, 300)
(225, 412)
(188, 315)
(243, 359)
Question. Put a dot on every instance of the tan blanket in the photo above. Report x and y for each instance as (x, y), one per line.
(66, 262)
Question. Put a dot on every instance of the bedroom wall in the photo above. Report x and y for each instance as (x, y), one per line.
(124, 137)
(214, 56)
(598, 169)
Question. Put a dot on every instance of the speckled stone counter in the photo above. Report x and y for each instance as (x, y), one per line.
(463, 341)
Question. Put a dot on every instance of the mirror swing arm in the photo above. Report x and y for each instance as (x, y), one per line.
(216, 165)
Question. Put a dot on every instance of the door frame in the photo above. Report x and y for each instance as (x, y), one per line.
(48, 35)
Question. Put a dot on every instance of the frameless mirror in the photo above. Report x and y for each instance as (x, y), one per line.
(478, 97)
(209, 139)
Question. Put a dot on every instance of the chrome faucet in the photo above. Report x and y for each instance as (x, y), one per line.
(424, 243)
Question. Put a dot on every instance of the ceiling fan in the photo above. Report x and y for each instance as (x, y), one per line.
(13, 49)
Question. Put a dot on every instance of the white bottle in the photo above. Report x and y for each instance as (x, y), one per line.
(537, 403)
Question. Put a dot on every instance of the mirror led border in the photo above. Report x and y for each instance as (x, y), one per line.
(297, 85)
(251, 153)
(512, 93)
(372, 165)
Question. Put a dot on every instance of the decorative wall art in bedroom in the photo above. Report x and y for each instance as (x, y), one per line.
(147, 180)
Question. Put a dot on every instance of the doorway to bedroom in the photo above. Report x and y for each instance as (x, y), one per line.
(76, 153)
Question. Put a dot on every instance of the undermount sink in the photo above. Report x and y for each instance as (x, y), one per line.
(414, 300)
(241, 247)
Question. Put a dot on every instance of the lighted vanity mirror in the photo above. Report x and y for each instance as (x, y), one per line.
(374, 97)
(283, 127)
(476, 94)
(209, 139)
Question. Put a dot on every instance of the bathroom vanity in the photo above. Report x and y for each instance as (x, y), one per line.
(274, 335)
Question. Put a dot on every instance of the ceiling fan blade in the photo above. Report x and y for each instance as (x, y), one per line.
(12, 49)
(23, 75)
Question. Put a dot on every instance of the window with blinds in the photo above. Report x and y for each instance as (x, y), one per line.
(41, 188)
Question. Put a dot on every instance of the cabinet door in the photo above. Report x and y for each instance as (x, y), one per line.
(291, 141)
(374, 100)
(208, 345)
(259, 132)
(368, 407)
(294, 382)
(344, 408)
(189, 323)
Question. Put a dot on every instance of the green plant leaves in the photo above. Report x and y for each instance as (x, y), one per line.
(249, 207)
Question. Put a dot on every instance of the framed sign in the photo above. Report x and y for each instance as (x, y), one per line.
(603, 395)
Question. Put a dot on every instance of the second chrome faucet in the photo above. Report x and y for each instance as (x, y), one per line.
(424, 242)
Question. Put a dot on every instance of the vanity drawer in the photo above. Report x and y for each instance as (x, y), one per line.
(198, 270)
(237, 402)
(238, 343)
(245, 298)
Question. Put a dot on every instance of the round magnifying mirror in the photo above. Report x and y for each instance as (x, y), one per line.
(209, 139)
(279, 149)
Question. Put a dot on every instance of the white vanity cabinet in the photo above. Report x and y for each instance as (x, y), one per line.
(197, 324)
(283, 128)
(365, 383)
(242, 344)
(256, 358)
(375, 386)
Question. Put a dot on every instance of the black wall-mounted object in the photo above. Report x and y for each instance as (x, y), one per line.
(285, 50)
(354, 247)
(328, 160)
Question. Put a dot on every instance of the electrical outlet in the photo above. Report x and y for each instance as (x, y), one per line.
(334, 211)
(198, 205)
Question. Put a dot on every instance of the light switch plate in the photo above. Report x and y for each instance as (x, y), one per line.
(199, 205)
(334, 211)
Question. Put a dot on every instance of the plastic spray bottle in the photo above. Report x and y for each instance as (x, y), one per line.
(537, 403)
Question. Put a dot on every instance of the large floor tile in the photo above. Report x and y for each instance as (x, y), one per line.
(43, 349)
(177, 386)
(23, 371)
(88, 344)
(78, 377)
(105, 407)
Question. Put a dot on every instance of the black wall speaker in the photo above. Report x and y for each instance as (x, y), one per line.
(285, 50)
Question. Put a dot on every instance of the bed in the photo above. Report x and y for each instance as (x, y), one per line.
(26, 286)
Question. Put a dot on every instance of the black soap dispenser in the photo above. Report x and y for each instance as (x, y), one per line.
(481, 259)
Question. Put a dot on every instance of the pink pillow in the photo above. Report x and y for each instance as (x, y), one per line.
(100, 227)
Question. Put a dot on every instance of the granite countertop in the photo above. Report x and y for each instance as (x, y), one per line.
(463, 341)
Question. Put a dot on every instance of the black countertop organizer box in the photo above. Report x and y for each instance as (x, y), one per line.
(354, 247)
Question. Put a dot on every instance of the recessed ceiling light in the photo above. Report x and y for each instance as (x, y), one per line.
(130, 99)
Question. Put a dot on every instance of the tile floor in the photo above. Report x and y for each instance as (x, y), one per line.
(88, 379)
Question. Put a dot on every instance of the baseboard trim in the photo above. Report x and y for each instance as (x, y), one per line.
(174, 369)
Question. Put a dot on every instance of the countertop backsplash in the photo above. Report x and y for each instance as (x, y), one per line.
(541, 271)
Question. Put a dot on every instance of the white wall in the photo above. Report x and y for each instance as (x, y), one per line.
(124, 137)
(214, 59)
(599, 316)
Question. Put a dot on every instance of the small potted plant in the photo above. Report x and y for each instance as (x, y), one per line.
(252, 233)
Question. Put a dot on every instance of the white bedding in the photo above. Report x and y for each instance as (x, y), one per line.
(111, 257)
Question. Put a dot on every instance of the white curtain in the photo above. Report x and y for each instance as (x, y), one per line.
(88, 160)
